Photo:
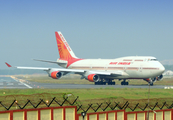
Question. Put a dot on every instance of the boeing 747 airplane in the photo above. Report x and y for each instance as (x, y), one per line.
(102, 71)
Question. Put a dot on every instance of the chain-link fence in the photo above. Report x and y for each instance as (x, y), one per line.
(12, 102)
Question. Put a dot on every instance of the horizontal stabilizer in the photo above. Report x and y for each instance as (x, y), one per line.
(56, 62)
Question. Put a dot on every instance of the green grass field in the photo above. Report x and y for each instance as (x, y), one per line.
(88, 94)
(93, 95)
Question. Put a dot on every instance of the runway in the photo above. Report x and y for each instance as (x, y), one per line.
(88, 86)
(12, 83)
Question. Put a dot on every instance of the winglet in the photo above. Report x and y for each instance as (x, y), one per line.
(8, 64)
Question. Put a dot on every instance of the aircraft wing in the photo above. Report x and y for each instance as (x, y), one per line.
(32, 68)
(63, 71)
(118, 73)
(47, 69)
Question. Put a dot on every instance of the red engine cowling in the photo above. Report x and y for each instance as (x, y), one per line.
(93, 78)
(56, 75)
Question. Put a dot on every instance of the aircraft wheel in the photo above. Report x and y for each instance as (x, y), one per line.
(122, 83)
(96, 83)
(100, 83)
(151, 84)
(104, 83)
(111, 83)
(126, 83)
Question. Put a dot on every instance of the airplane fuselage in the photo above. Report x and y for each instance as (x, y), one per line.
(134, 67)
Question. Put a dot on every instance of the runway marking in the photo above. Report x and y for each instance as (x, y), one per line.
(12, 87)
(21, 82)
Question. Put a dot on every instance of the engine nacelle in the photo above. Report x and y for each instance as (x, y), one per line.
(56, 74)
(93, 77)
(159, 78)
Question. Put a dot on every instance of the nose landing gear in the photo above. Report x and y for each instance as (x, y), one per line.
(151, 84)
(150, 81)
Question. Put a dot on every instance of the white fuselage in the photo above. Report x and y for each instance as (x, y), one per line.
(135, 67)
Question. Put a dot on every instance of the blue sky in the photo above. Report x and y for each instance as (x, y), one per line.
(93, 29)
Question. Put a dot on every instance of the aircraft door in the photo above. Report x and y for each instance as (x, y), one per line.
(140, 69)
(106, 67)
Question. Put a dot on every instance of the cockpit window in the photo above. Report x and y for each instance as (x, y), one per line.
(152, 59)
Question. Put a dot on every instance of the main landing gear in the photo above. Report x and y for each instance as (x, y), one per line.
(124, 82)
(104, 82)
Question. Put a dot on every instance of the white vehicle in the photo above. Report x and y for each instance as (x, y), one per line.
(102, 71)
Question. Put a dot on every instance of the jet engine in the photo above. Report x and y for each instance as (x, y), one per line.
(93, 77)
(159, 78)
(152, 80)
(56, 74)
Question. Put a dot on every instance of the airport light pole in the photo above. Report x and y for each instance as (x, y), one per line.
(83, 114)
(148, 100)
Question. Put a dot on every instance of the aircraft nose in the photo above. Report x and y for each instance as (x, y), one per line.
(162, 69)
